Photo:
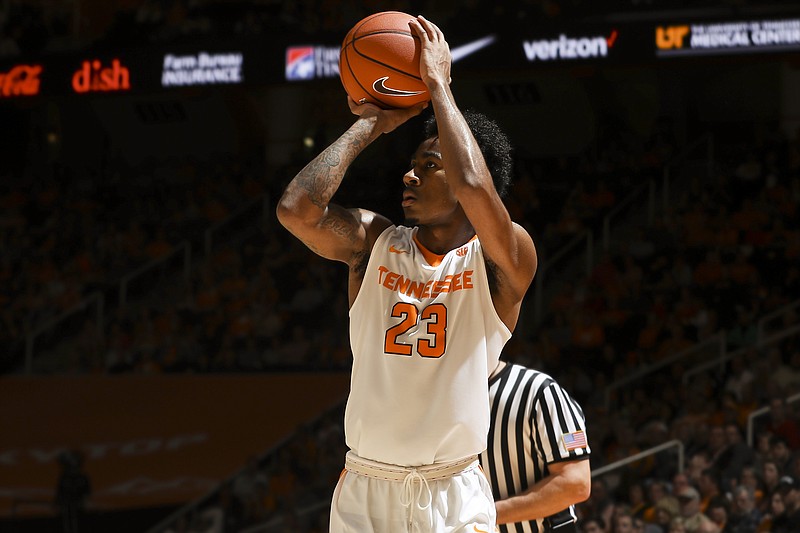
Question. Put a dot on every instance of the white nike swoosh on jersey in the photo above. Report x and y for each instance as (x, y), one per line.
(464, 50)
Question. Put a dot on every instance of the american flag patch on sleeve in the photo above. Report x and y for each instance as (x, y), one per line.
(574, 440)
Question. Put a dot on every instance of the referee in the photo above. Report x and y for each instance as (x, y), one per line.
(537, 458)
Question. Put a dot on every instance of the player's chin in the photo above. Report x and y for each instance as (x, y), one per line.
(410, 220)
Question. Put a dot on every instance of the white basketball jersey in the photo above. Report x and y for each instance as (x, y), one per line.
(424, 334)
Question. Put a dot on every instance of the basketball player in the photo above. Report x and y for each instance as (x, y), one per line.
(432, 303)
(538, 453)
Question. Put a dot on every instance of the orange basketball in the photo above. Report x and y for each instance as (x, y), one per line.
(379, 62)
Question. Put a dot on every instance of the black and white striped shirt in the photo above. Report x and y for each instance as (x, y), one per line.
(534, 422)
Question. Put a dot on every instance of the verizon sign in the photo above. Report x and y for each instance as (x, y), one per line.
(202, 69)
(567, 47)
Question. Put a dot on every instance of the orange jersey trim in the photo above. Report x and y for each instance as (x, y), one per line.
(432, 258)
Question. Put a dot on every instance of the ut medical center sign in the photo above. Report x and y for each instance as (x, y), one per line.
(147, 440)
(749, 36)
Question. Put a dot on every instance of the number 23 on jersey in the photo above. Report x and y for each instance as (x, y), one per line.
(433, 318)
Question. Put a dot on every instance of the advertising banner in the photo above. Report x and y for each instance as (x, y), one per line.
(277, 60)
(727, 37)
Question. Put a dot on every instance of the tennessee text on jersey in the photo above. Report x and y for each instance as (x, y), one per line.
(450, 283)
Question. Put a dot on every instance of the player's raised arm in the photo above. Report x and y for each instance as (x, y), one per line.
(305, 207)
(507, 245)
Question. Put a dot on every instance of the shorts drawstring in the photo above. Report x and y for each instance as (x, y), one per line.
(408, 496)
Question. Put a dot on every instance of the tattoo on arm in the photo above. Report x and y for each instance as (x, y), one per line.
(322, 176)
(343, 227)
(316, 178)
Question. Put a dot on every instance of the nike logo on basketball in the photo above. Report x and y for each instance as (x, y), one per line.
(380, 87)
(394, 250)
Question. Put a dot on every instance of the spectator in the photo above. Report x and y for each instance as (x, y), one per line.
(640, 526)
(770, 476)
(698, 462)
(782, 424)
(693, 519)
(592, 524)
(789, 489)
(780, 452)
(656, 490)
(666, 509)
(745, 516)
(637, 499)
(734, 456)
(774, 515)
(679, 482)
(709, 487)
(718, 511)
(788, 378)
(749, 478)
(623, 523)
(600, 502)
(677, 525)
(716, 443)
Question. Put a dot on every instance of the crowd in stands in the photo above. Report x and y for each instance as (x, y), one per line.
(72, 233)
(246, 305)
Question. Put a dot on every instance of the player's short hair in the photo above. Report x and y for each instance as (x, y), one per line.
(492, 142)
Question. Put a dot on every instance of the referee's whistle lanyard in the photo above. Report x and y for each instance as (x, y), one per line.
(414, 486)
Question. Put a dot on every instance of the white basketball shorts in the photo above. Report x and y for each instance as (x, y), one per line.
(373, 497)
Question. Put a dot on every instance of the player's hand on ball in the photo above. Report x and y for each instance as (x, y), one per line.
(387, 119)
(379, 61)
(435, 59)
